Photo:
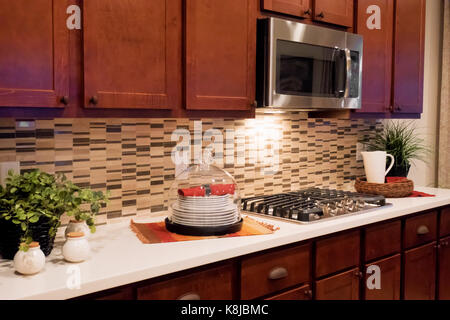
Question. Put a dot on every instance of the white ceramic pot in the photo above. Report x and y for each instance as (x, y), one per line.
(31, 261)
(76, 248)
(78, 226)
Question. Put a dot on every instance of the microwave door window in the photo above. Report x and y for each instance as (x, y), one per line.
(305, 70)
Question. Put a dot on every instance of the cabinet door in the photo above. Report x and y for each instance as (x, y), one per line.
(335, 12)
(220, 54)
(299, 8)
(389, 279)
(344, 286)
(132, 53)
(409, 56)
(377, 58)
(420, 273)
(444, 269)
(445, 222)
(34, 51)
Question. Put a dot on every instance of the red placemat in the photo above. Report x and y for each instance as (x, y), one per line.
(157, 233)
(414, 194)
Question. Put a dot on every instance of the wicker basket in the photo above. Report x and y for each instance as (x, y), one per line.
(397, 189)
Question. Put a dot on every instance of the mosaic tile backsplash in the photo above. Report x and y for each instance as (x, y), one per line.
(132, 157)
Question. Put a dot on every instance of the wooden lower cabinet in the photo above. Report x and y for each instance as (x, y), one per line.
(301, 293)
(212, 284)
(119, 294)
(343, 286)
(390, 274)
(444, 269)
(420, 273)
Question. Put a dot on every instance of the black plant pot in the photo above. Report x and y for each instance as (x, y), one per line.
(11, 233)
(398, 171)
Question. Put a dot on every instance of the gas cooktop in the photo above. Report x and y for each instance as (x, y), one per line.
(312, 205)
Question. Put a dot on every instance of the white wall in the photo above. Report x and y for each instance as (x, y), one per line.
(424, 174)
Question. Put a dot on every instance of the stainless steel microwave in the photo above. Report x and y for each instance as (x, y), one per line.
(307, 67)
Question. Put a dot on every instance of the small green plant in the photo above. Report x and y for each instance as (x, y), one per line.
(399, 139)
(29, 197)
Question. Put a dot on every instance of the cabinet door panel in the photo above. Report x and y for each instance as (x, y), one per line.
(34, 51)
(292, 7)
(220, 54)
(420, 273)
(336, 12)
(444, 269)
(377, 58)
(344, 286)
(409, 56)
(132, 53)
(389, 279)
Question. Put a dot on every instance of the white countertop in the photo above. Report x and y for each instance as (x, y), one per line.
(119, 258)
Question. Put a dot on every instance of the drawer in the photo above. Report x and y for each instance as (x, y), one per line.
(212, 284)
(420, 229)
(383, 240)
(301, 293)
(270, 272)
(445, 222)
(337, 253)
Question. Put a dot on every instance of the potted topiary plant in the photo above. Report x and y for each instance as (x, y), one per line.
(399, 139)
(31, 206)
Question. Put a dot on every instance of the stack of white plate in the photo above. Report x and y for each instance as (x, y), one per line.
(205, 211)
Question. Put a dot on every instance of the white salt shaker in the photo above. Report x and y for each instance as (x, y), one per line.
(31, 261)
(78, 226)
(76, 248)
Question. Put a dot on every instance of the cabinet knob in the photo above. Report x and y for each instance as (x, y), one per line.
(398, 108)
(444, 243)
(438, 246)
(307, 12)
(94, 100)
(278, 273)
(358, 274)
(308, 293)
(321, 15)
(189, 296)
(64, 100)
(422, 230)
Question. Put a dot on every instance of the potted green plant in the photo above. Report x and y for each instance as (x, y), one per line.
(31, 206)
(399, 139)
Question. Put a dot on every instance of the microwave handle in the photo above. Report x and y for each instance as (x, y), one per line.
(348, 78)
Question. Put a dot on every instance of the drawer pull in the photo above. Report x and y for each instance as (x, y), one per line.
(189, 296)
(278, 273)
(422, 230)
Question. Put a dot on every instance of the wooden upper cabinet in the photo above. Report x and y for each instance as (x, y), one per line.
(409, 56)
(220, 54)
(132, 53)
(34, 51)
(376, 26)
(299, 8)
(335, 12)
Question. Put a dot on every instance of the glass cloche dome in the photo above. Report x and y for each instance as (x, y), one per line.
(204, 201)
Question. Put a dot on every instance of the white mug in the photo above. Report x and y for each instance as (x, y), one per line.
(375, 165)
